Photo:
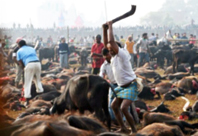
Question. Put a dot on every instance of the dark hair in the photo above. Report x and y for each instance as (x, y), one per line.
(144, 34)
(152, 34)
(98, 36)
(22, 43)
(105, 51)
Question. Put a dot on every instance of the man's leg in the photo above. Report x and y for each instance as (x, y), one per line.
(140, 59)
(28, 75)
(61, 60)
(132, 60)
(19, 71)
(147, 58)
(116, 108)
(124, 108)
(66, 61)
(37, 78)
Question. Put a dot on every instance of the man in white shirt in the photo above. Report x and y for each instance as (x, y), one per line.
(125, 77)
(105, 70)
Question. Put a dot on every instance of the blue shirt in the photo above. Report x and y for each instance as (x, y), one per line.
(26, 54)
(63, 47)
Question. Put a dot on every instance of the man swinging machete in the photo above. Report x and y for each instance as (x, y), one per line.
(125, 77)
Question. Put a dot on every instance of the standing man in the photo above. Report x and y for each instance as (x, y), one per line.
(125, 78)
(19, 68)
(96, 54)
(26, 57)
(191, 42)
(106, 70)
(83, 56)
(129, 46)
(63, 53)
(143, 49)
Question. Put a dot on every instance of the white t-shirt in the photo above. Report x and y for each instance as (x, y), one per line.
(121, 67)
(107, 70)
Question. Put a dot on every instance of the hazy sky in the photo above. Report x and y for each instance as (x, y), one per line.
(22, 11)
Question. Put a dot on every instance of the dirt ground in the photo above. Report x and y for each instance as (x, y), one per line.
(175, 106)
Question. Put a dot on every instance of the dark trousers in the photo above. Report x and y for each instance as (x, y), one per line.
(95, 71)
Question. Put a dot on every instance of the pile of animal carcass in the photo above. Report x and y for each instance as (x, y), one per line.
(76, 103)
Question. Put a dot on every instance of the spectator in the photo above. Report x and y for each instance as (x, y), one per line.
(63, 53)
(129, 46)
(96, 51)
(143, 49)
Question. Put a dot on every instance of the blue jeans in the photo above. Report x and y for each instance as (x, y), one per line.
(132, 60)
(143, 56)
(64, 60)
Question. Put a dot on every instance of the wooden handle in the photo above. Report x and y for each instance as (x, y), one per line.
(131, 12)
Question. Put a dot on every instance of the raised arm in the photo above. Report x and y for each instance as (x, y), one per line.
(105, 36)
(112, 42)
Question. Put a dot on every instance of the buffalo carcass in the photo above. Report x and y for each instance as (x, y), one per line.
(160, 129)
(85, 92)
(47, 53)
(150, 118)
(184, 56)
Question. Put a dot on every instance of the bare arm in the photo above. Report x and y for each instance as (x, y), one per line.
(96, 54)
(105, 36)
(20, 62)
(112, 42)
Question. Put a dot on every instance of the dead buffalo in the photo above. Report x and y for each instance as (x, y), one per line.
(86, 123)
(187, 85)
(85, 92)
(161, 108)
(178, 75)
(150, 118)
(160, 129)
(148, 93)
(163, 87)
(49, 128)
(48, 96)
(181, 68)
(147, 73)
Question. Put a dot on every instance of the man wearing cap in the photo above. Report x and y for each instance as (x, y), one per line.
(19, 69)
(27, 58)
(63, 53)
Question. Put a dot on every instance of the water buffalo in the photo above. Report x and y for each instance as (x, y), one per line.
(47, 53)
(184, 56)
(84, 92)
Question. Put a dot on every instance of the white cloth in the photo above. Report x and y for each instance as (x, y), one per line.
(152, 38)
(0, 45)
(106, 69)
(14, 54)
(121, 67)
(32, 72)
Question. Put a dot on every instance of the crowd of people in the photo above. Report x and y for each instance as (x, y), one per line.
(112, 59)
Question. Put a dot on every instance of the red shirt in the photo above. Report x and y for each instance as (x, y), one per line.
(97, 61)
(192, 42)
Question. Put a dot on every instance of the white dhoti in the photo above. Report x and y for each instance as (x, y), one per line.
(32, 72)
